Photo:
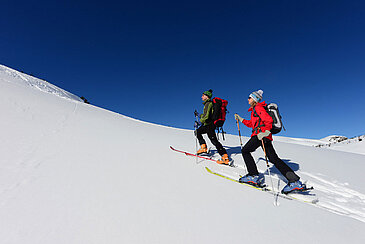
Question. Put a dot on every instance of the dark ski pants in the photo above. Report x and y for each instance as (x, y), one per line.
(210, 130)
(252, 145)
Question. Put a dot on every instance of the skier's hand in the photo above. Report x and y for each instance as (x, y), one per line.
(196, 114)
(237, 117)
(261, 135)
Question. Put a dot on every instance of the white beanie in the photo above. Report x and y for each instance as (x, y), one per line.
(256, 95)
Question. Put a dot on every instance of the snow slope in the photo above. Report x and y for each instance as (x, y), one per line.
(74, 173)
(15, 77)
(353, 145)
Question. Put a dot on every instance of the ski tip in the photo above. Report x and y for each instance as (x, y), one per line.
(208, 170)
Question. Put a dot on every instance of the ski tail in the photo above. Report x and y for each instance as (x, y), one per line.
(231, 164)
(268, 190)
(192, 154)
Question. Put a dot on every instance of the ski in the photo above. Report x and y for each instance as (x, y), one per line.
(193, 155)
(202, 157)
(264, 188)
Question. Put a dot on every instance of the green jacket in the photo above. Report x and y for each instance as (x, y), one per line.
(206, 117)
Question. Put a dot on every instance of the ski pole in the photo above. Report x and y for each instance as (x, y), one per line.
(267, 164)
(195, 133)
(196, 146)
(239, 133)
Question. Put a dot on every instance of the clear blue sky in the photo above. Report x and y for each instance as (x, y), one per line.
(152, 60)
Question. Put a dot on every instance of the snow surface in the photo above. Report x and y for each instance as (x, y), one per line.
(15, 77)
(353, 145)
(75, 173)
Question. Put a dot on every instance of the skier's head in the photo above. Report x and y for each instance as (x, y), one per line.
(255, 97)
(207, 95)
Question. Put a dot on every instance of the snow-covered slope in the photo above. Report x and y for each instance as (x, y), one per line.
(15, 77)
(339, 143)
(74, 173)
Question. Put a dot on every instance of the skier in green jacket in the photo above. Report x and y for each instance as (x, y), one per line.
(208, 127)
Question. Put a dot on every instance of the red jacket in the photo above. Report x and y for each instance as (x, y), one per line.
(260, 120)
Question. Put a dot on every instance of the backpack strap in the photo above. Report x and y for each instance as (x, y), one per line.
(257, 129)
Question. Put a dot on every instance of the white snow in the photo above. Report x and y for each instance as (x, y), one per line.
(19, 78)
(74, 173)
(338, 143)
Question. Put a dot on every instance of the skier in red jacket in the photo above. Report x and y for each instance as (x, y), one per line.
(261, 124)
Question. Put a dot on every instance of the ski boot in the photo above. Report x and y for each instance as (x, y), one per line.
(296, 186)
(224, 160)
(254, 180)
(203, 149)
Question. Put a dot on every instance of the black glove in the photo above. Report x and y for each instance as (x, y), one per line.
(196, 114)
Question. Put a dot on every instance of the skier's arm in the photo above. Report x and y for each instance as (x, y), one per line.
(247, 123)
(205, 116)
(265, 117)
(242, 120)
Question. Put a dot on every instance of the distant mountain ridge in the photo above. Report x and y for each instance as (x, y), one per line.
(10, 75)
(340, 141)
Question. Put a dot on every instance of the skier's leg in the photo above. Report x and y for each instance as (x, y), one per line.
(199, 134)
(284, 169)
(247, 149)
(213, 138)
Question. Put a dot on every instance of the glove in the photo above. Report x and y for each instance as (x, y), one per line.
(261, 135)
(196, 114)
(237, 117)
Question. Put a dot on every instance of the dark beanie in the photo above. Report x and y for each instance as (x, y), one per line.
(209, 93)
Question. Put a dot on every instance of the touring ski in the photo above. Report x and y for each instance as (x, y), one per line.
(192, 155)
(202, 157)
(264, 188)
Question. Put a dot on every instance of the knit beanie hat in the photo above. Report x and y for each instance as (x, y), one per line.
(208, 93)
(257, 95)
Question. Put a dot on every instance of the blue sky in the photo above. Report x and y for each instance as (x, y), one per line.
(152, 60)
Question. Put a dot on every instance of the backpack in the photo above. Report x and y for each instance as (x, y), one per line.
(219, 111)
(273, 110)
(219, 114)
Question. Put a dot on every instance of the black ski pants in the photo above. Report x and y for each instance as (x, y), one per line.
(210, 130)
(252, 145)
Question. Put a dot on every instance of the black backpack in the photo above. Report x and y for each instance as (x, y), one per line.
(273, 110)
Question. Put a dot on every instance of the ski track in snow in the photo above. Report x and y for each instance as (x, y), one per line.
(332, 196)
(337, 197)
